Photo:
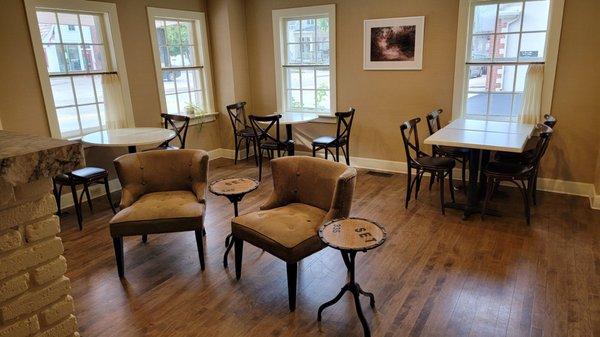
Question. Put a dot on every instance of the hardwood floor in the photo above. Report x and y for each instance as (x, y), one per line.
(435, 276)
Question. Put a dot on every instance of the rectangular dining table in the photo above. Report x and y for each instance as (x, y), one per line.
(480, 137)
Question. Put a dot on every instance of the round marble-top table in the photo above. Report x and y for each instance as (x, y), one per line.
(130, 137)
(350, 236)
(291, 118)
(234, 189)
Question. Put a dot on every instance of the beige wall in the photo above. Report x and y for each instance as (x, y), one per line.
(21, 102)
(384, 99)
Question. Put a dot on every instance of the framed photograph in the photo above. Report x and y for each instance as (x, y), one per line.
(394, 44)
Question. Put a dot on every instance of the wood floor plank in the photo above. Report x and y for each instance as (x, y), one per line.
(435, 276)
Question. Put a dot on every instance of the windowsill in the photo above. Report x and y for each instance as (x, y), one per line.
(323, 118)
(204, 118)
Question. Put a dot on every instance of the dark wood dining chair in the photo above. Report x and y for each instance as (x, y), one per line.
(518, 172)
(242, 130)
(459, 154)
(341, 139)
(439, 167)
(170, 122)
(261, 125)
(527, 154)
(86, 177)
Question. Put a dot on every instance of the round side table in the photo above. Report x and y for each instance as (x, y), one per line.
(234, 189)
(350, 236)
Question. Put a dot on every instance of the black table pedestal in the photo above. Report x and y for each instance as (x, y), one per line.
(355, 289)
(228, 241)
(474, 190)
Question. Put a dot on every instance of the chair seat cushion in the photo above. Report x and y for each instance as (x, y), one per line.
(454, 151)
(86, 173)
(436, 162)
(288, 232)
(328, 140)
(506, 169)
(159, 212)
(247, 132)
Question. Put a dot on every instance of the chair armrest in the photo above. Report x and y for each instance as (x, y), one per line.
(342, 195)
(199, 175)
(129, 171)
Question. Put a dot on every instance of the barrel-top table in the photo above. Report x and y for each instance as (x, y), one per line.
(350, 236)
(234, 189)
(129, 137)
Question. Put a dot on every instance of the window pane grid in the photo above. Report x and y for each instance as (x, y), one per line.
(183, 87)
(306, 71)
(517, 38)
(75, 43)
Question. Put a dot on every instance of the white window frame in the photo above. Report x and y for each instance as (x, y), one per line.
(279, 17)
(199, 24)
(115, 57)
(462, 53)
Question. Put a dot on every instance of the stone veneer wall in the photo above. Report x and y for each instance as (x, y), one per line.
(34, 293)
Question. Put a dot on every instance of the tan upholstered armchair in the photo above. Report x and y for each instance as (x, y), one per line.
(307, 192)
(162, 191)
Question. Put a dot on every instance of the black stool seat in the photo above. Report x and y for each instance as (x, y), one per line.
(86, 173)
(85, 176)
(436, 162)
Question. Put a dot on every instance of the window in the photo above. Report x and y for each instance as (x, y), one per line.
(503, 39)
(305, 59)
(181, 58)
(73, 51)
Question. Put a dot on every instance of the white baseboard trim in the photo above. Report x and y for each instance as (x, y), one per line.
(544, 184)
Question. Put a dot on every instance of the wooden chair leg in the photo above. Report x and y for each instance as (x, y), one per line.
(408, 187)
(108, 196)
(347, 154)
(527, 212)
(200, 246)
(325, 152)
(432, 179)
(238, 246)
(247, 147)
(259, 163)
(314, 151)
(86, 189)
(118, 244)
(77, 206)
(488, 195)
(337, 153)
(255, 153)
(292, 275)
(144, 238)
(237, 148)
(441, 180)
(451, 184)
(418, 179)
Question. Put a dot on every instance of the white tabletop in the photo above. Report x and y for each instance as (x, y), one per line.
(128, 137)
(484, 135)
(297, 117)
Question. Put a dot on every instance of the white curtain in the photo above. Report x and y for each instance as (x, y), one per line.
(532, 95)
(113, 102)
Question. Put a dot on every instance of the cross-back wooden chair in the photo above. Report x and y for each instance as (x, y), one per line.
(341, 139)
(422, 162)
(242, 130)
(459, 154)
(261, 125)
(170, 122)
(519, 172)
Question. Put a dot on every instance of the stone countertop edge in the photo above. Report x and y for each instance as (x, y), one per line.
(26, 158)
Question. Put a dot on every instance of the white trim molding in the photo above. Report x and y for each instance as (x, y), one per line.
(115, 50)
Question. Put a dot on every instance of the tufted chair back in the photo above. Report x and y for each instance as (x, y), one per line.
(160, 171)
(313, 181)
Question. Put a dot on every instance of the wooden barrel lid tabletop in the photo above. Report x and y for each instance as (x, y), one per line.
(352, 234)
(233, 186)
